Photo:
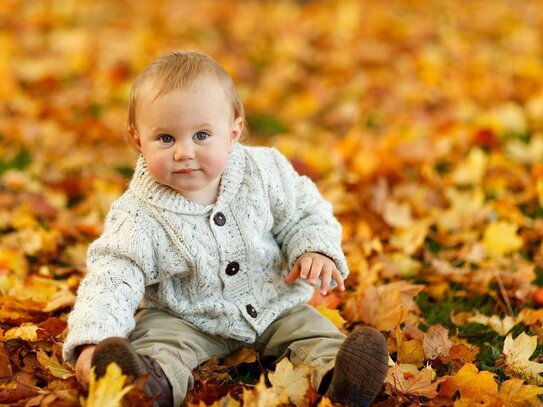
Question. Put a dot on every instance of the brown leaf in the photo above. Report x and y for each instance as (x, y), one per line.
(413, 384)
(436, 342)
(5, 364)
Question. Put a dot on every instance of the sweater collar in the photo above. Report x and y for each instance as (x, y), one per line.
(164, 197)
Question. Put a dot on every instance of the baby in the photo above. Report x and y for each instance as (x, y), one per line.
(220, 245)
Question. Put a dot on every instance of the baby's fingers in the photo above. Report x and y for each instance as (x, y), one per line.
(293, 275)
(338, 278)
(326, 278)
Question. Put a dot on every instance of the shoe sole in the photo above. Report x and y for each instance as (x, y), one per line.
(360, 370)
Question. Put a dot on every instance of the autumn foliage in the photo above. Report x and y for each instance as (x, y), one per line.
(421, 121)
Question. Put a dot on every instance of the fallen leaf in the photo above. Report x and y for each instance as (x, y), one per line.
(409, 351)
(500, 325)
(436, 342)
(26, 332)
(474, 386)
(5, 364)
(501, 238)
(418, 384)
(107, 391)
(384, 307)
(514, 393)
(291, 384)
(52, 364)
(517, 354)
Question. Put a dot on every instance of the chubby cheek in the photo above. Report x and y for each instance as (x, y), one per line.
(159, 169)
(214, 163)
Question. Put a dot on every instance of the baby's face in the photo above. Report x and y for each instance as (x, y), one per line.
(185, 137)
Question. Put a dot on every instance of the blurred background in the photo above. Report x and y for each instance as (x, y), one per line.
(309, 72)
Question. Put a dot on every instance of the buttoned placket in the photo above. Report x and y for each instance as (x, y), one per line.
(219, 219)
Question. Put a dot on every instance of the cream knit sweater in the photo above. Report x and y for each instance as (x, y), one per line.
(220, 267)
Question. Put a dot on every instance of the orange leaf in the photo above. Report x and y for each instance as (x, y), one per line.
(471, 384)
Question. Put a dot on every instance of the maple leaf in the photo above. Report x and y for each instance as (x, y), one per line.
(409, 351)
(291, 384)
(474, 386)
(383, 307)
(411, 382)
(260, 396)
(501, 238)
(514, 393)
(500, 325)
(107, 391)
(52, 364)
(436, 342)
(27, 332)
(517, 354)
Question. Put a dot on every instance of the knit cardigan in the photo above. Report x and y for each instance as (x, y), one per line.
(220, 267)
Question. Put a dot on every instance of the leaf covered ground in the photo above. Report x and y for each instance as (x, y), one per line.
(421, 121)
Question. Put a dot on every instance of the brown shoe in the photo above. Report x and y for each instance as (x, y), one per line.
(360, 370)
(119, 350)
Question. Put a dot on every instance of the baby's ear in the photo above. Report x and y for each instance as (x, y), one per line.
(133, 137)
(236, 131)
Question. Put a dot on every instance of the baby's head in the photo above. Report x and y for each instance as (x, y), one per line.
(173, 71)
(185, 117)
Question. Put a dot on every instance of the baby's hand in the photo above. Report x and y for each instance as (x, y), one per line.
(311, 267)
(83, 365)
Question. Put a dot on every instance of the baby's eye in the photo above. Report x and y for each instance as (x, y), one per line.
(166, 138)
(200, 136)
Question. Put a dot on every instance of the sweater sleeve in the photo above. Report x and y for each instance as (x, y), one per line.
(303, 219)
(109, 295)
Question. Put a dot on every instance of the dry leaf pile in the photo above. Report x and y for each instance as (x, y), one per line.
(421, 121)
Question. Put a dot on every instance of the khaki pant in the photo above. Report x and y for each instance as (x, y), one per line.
(302, 334)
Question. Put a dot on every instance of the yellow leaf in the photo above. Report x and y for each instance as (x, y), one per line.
(526, 153)
(260, 395)
(107, 391)
(291, 384)
(500, 238)
(53, 365)
(409, 351)
(514, 393)
(517, 354)
(472, 384)
(332, 314)
(26, 332)
(472, 169)
(501, 326)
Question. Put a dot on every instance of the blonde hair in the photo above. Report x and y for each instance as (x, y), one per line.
(176, 69)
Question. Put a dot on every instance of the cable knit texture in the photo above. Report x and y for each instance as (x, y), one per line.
(220, 267)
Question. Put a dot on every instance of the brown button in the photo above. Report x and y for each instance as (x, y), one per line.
(251, 311)
(219, 219)
(232, 268)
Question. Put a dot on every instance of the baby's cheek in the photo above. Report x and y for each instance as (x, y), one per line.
(157, 168)
(215, 163)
